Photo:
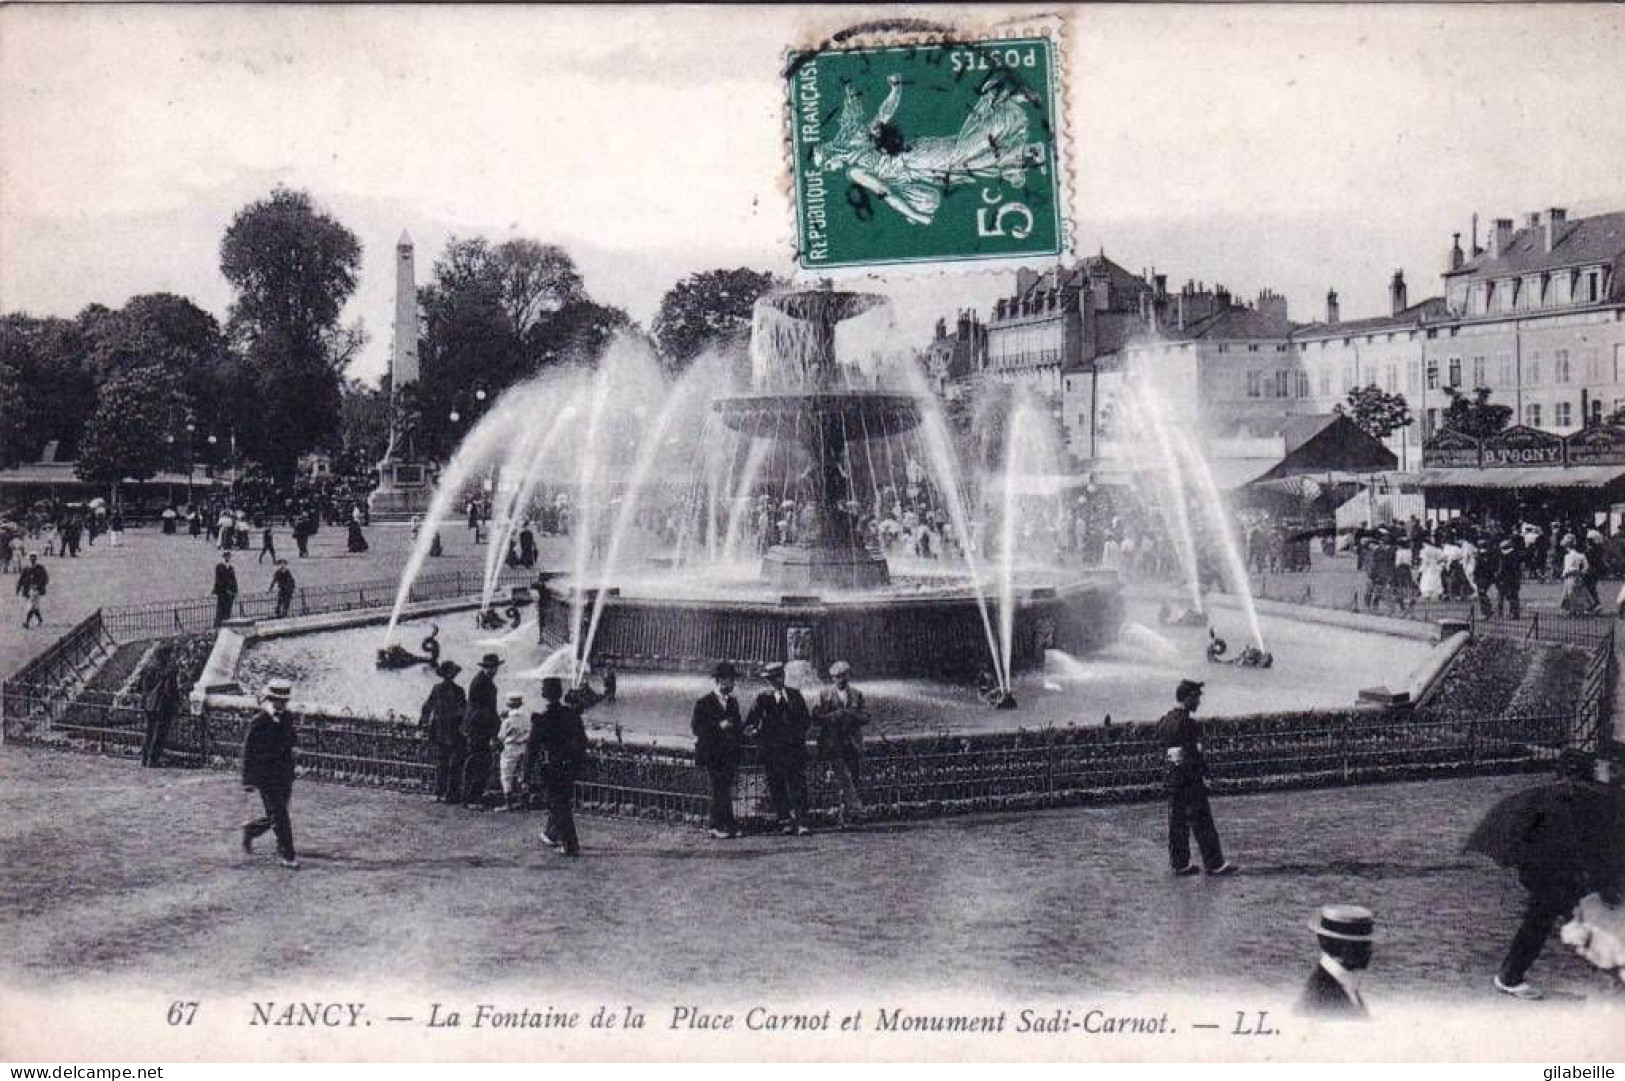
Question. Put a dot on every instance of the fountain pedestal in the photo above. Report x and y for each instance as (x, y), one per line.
(791, 566)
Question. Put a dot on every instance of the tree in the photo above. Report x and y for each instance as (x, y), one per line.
(293, 267)
(125, 436)
(494, 315)
(1476, 416)
(1378, 412)
(363, 429)
(709, 310)
(54, 392)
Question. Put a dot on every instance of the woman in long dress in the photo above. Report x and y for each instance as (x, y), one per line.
(1430, 571)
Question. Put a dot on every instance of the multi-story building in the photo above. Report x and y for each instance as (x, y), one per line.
(954, 362)
(1537, 318)
(1220, 368)
(1059, 321)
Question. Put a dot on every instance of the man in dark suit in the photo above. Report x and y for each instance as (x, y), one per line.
(442, 716)
(268, 767)
(31, 586)
(480, 724)
(225, 588)
(1180, 737)
(719, 734)
(1333, 992)
(1509, 577)
(779, 721)
(557, 734)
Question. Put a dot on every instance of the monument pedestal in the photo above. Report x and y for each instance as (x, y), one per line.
(403, 490)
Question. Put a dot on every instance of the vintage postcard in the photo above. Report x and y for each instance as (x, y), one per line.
(951, 533)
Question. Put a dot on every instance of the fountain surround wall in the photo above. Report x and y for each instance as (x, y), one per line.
(889, 635)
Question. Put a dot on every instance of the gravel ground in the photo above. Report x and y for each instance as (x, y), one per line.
(115, 873)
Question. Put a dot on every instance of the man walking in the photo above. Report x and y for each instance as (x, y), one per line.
(267, 544)
(283, 584)
(779, 721)
(159, 702)
(225, 588)
(718, 745)
(442, 715)
(31, 585)
(557, 733)
(268, 767)
(841, 717)
(1186, 779)
(480, 724)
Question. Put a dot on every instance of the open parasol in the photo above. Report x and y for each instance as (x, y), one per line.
(1566, 828)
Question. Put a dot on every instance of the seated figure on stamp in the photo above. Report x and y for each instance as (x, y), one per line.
(910, 178)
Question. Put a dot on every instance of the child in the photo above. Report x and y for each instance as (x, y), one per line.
(513, 735)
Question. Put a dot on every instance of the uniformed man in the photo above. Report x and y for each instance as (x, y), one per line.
(558, 743)
(1180, 738)
(719, 733)
(1345, 933)
(268, 768)
(779, 721)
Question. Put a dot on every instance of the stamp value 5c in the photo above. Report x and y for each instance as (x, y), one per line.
(926, 153)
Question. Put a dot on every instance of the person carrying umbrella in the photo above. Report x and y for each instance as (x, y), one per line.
(1565, 839)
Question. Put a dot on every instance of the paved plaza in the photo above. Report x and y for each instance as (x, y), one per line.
(119, 874)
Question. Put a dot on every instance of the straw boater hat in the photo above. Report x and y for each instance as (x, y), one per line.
(774, 669)
(1345, 923)
(490, 660)
(280, 689)
(448, 669)
(839, 668)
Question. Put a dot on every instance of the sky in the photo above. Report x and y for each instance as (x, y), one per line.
(1293, 148)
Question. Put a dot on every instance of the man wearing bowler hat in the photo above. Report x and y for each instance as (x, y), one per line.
(1345, 933)
(779, 720)
(719, 734)
(558, 742)
(268, 768)
(480, 723)
(1180, 738)
(442, 716)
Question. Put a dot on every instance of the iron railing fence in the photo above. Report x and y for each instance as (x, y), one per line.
(46, 685)
(192, 615)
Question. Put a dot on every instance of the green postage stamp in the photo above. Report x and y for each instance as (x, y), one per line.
(944, 152)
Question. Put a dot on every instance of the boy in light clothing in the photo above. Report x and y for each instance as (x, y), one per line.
(513, 735)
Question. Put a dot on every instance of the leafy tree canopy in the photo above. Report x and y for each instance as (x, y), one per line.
(1476, 415)
(1380, 413)
(709, 310)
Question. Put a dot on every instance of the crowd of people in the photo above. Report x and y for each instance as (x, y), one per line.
(1467, 559)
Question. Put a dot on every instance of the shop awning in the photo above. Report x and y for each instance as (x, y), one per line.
(1577, 476)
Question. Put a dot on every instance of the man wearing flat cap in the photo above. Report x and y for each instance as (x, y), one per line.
(268, 768)
(480, 723)
(558, 744)
(719, 734)
(779, 721)
(1180, 738)
(841, 717)
(442, 719)
(1345, 933)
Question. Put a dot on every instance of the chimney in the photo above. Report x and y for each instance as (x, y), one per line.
(942, 329)
(1162, 283)
(1556, 219)
(1332, 313)
(1501, 239)
(1457, 257)
(1474, 248)
(1396, 292)
(964, 326)
(1221, 297)
(1532, 220)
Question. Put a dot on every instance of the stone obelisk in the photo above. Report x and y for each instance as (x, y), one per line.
(403, 478)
